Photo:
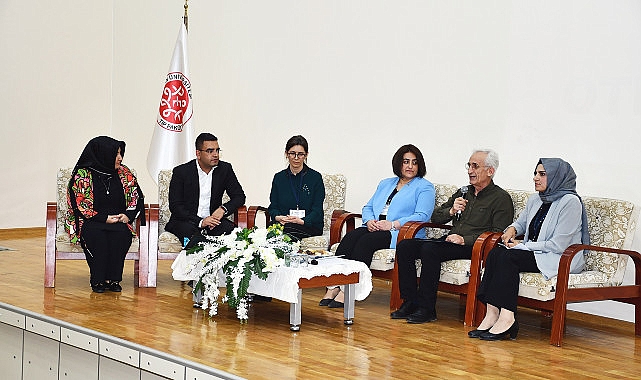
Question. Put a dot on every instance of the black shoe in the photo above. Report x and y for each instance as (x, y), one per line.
(336, 305)
(404, 311)
(114, 286)
(476, 333)
(256, 297)
(511, 333)
(325, 301)
(99, 287)
(421, 315)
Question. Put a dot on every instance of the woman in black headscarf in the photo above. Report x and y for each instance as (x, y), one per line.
(103, 199)
(553, 219)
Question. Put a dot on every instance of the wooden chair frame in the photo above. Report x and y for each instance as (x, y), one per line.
(558, 306)
(345, 221)
(252, 213)
(240, 219)
(52, 254)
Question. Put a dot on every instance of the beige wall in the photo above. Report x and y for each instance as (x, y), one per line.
(357, 78)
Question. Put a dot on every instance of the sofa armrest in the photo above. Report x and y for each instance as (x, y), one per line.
(410, 229)
(241, 217)
(340, 219)
(252, 213)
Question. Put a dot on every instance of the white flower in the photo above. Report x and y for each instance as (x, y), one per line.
(259, 237)
(217, 252)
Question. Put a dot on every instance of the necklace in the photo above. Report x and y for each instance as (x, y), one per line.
(107, 183)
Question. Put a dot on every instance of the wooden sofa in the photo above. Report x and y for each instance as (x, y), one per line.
(335, 190)
(612, 224)
(59, 247)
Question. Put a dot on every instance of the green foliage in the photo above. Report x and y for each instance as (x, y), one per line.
(194, 249)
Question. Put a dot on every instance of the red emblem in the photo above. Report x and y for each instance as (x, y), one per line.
(175, 110)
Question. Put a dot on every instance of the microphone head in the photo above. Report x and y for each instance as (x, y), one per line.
(464, 190)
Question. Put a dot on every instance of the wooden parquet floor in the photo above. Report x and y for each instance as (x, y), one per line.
(374, 347)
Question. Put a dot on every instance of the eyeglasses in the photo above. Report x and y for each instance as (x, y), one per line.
(473, 165)
(211, 150)
(296, 154)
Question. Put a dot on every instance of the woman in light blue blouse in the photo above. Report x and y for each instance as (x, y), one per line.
(404, 198)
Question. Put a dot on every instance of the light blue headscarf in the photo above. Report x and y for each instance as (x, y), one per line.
(561, 181)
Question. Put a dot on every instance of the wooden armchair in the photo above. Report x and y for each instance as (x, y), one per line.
(612, 224)
(59, 247)
(384, 260)
(456, 275)
(335, 189)
(164, 245)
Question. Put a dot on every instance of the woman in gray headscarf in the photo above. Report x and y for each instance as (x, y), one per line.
(553, 219)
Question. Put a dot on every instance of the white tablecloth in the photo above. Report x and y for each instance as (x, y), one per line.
(282, 283)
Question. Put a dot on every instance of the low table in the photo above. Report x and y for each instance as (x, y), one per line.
(349, 280)
(287, 284)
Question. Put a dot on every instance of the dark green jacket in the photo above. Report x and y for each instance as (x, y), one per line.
(491, 210)
(310, 191)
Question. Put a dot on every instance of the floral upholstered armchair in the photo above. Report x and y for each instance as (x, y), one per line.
(612, 224)
(455, 272)
(59, 247)
(335, 189)
(164, 245)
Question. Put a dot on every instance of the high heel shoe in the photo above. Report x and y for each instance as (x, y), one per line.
(512, 332)
(327, 301)
(476, 333)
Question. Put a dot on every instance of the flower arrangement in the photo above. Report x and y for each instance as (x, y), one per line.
(241, 254)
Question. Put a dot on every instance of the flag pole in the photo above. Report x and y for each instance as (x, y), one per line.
(185, 17)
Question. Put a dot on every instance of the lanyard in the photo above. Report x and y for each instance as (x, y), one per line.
(295, 191)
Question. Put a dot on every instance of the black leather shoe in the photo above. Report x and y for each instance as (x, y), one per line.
(99, 287)
(114, 286)
(404, 311)
(421, 316)
(336, 305)
(476, 333)
(511, 333)
(325, 301)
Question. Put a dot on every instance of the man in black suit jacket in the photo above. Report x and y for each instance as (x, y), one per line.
(189, 212)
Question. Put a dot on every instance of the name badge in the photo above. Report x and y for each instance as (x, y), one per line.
(297, 213)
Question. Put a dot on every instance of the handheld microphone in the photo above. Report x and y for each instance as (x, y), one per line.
(463, 193)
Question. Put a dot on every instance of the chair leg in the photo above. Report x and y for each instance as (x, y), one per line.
(395, 298)
(142, 265)
(50, 246)
(50, 269)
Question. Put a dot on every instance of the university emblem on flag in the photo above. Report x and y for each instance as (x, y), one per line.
(175, 104)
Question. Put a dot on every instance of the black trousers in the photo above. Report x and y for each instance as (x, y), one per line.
(432, 254)
(105, 251)
(186, 229)
(360, 244)
(500, 283)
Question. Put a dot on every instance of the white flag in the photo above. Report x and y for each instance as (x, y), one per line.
(173, 140)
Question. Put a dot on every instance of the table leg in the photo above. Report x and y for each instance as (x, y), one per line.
(197, 298)
(348, 313)
(295, 312)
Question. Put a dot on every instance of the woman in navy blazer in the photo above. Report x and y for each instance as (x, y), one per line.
(404, 198)
(553, 219)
